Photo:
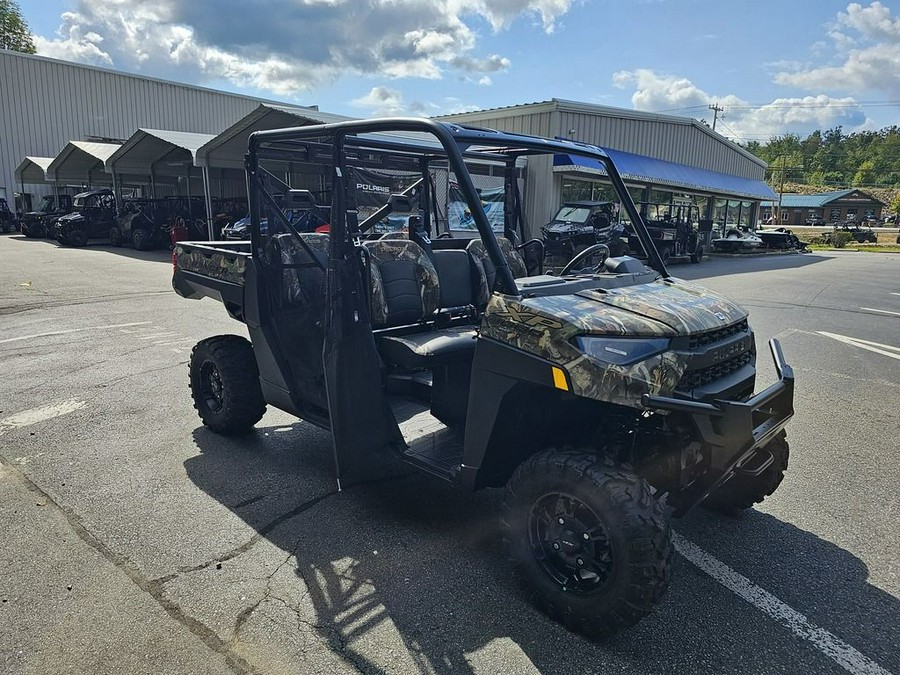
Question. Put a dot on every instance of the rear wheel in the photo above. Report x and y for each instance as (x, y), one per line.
(697, 255)
(224, 381)
(588, 538)
(743, 491)
(141, 240)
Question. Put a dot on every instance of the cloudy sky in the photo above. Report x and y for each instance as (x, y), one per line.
(774, 66)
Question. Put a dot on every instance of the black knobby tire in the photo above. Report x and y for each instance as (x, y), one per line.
(607, 564)
(697, 255)
(141, 239)
(115, 236)
(742, 492)
(76, 237)
(666, 255)
(224, 381)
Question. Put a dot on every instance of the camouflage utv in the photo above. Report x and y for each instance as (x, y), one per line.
(604, 400)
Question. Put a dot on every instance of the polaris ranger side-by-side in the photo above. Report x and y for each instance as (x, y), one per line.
(603, 400)
(93, 214)
(40, 223)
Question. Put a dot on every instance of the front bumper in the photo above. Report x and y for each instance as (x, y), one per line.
(734, 433)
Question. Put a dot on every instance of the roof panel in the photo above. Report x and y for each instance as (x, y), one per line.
(78, 159)
(33, 170)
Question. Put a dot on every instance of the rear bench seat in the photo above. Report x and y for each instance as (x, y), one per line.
(406, 290)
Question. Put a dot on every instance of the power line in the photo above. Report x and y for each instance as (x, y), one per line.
(757, 106)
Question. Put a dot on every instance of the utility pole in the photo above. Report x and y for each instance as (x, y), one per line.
(781, 189)
(716, 110)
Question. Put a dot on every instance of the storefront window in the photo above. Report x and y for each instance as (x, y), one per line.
(733, 214)
(746, 210)
(720, 208)
(576, 190)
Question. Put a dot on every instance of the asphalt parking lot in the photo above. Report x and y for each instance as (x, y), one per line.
(136, 541)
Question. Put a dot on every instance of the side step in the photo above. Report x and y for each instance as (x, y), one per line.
(431, 445)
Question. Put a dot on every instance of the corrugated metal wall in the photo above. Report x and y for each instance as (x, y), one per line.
(672, 142)
(47, 103)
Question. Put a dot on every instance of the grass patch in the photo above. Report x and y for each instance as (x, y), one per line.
(869, 248)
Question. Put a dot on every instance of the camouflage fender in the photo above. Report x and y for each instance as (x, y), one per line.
(545, 327)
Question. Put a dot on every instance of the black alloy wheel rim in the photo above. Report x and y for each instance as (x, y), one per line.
(211, 388)
(570, 543)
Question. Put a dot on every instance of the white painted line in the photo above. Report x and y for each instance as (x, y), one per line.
(895, 293)
(28, 417)
(73, 330)
(829, 644)
(882, 311)
(878, 348)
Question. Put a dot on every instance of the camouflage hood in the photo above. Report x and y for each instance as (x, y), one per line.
(683, 307)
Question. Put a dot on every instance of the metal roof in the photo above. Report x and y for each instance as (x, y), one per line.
(227, 149)
(81, 159)
(658, 172)
(555, 104)
(157, 151)
(819, 200)
(33, 170)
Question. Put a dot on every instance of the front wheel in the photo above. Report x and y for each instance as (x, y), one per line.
(697, 255)
(141, 239)
(743, 491)
(115, 236)
(224, 380)
(588, 538)
(76, 237)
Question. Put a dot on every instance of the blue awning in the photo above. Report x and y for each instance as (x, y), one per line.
(658, 172)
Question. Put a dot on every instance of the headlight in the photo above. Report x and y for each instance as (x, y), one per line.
(621, 351)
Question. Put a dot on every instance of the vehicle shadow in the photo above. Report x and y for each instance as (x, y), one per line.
(163, 254)
(409, 560)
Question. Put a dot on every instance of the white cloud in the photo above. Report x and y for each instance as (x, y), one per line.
(287, 48)
(742, 121)
(866, 40)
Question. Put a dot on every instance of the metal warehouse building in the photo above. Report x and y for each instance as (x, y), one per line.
(664, 159)
(48, 103)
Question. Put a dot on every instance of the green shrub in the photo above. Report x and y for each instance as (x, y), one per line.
(840, 239)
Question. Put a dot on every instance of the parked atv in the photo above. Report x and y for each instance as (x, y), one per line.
(40, 223)
(93, 214)
(578, 225)
(7, 217)
(604, 399)
(861, 235)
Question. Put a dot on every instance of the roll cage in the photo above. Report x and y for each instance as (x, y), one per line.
(414, 144)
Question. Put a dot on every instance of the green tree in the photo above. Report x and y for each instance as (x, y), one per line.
(14, 33)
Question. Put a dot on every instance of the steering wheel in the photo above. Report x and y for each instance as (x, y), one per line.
(590, 250)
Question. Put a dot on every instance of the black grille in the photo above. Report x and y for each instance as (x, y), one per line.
(707, 338)
(697, 378)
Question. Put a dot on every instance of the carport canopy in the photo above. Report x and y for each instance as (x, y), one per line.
(33, 170)
(157, 152)
(227, 150)
(82, 161)
(642, 169)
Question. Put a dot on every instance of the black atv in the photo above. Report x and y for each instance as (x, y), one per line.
(580, 224)
(93, 214)
(603, 400)
(39, 224)
(7, 217)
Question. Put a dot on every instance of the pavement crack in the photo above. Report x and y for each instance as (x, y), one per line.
(126, 566)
